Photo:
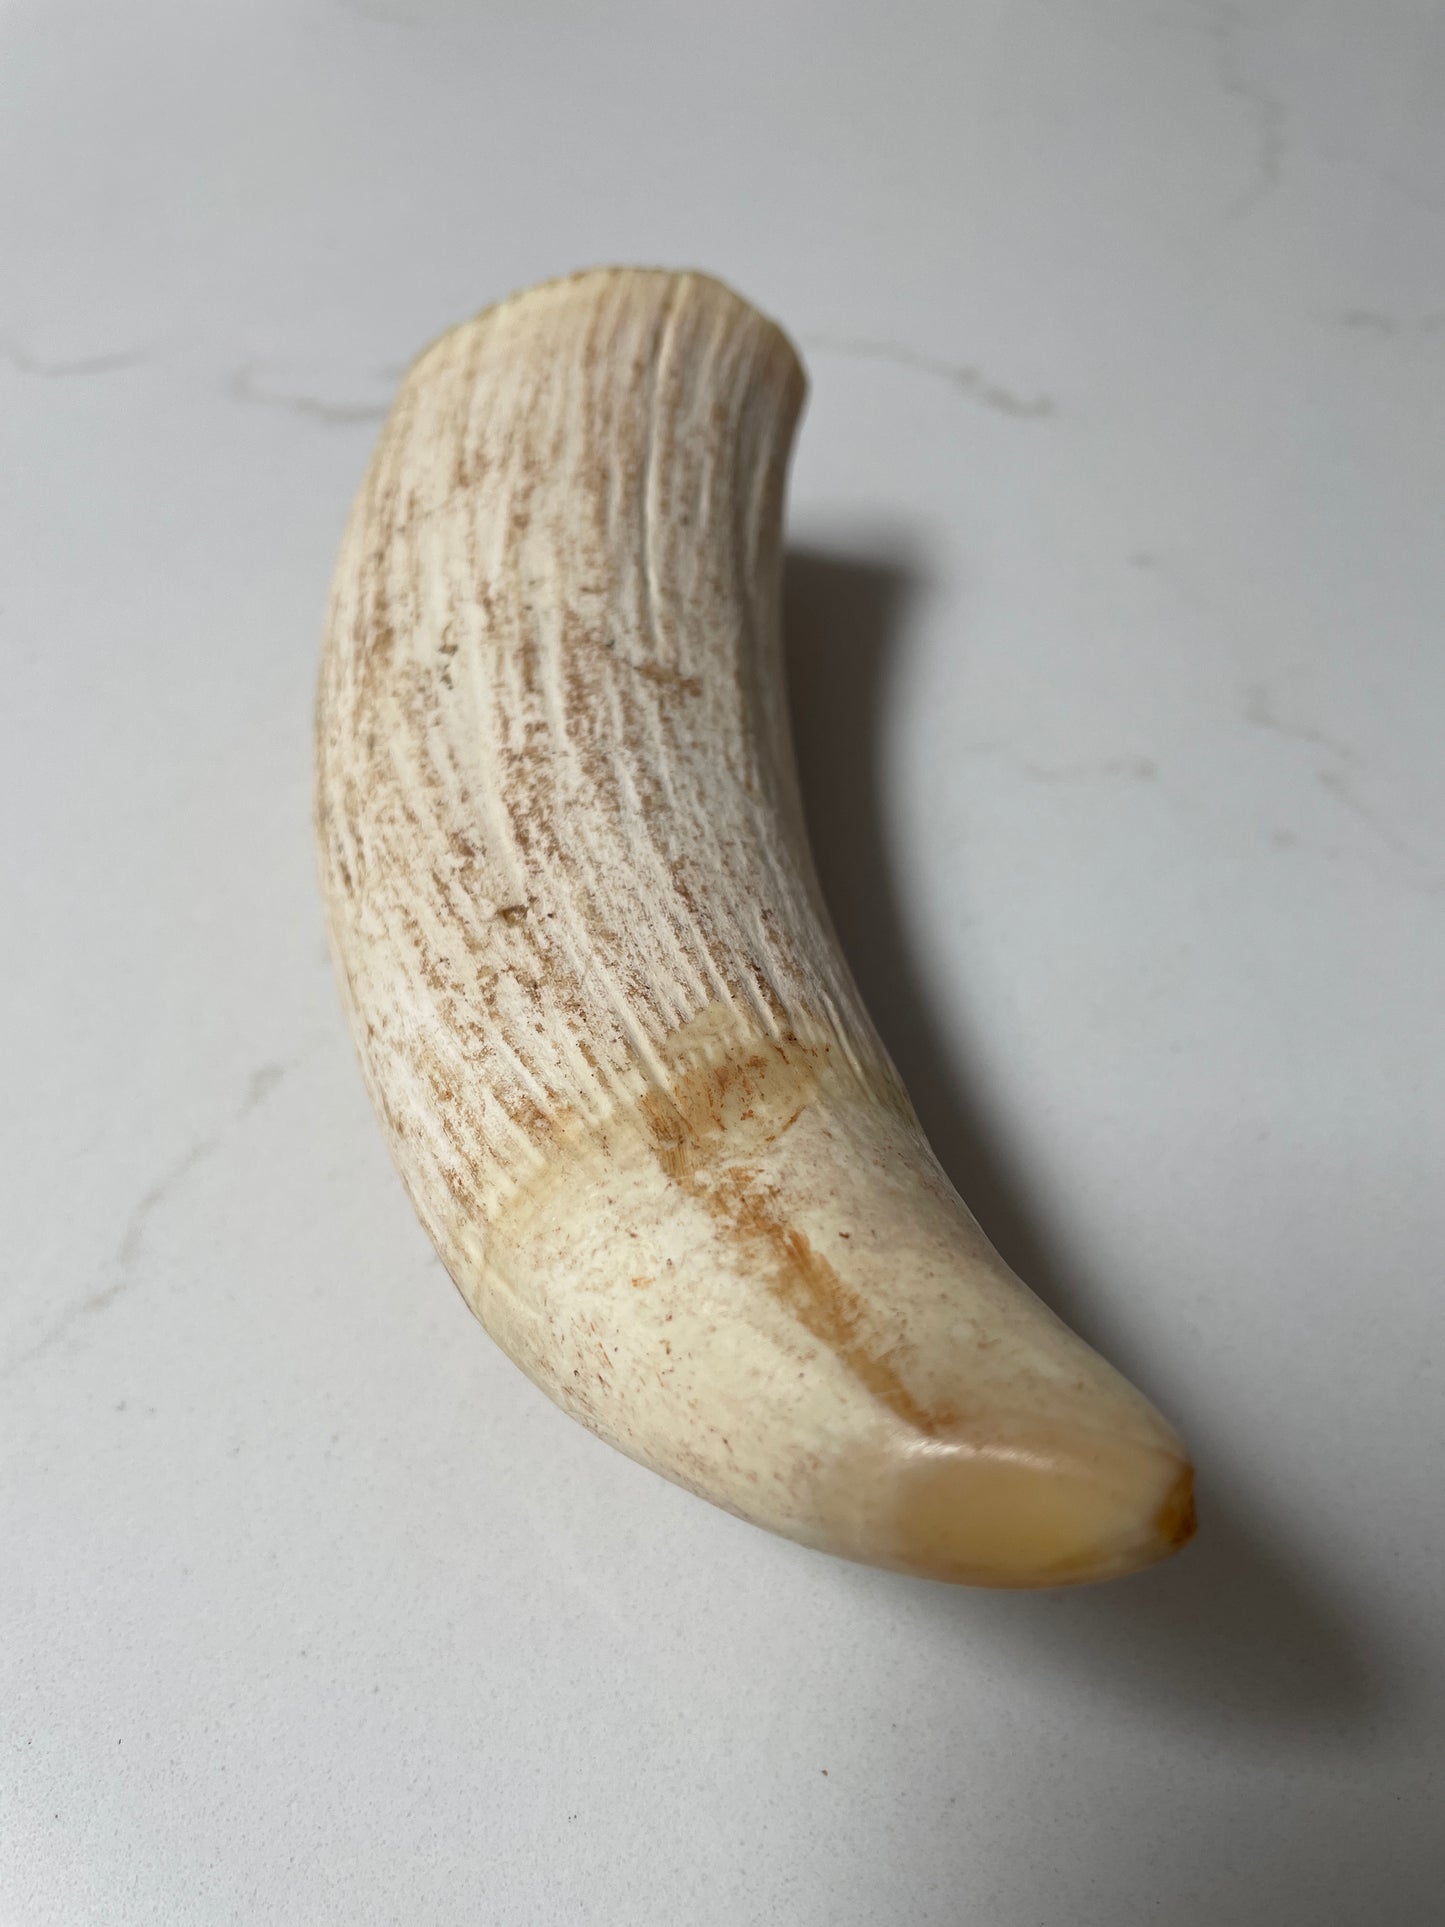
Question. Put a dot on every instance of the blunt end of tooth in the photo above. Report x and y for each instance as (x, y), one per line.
(1178, 1521)
(1057, 1511)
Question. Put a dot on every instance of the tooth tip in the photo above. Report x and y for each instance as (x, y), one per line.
(1059, 1511)
(1177, 1521)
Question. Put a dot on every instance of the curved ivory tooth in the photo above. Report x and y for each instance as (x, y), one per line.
(624, 1071)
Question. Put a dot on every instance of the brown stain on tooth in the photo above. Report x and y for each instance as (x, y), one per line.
(691, 1130)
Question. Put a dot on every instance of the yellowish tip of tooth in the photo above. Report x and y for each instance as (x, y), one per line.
(1058, 1512)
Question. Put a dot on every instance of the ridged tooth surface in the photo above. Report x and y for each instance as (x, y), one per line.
(624, 1071)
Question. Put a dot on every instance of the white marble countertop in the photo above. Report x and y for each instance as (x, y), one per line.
(1117, 625)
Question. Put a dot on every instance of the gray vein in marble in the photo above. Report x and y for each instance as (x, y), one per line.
(388, 13)
(1338, 776)
(245, 384)
(1340, 784)
(1344, 152)
(26, 363)
(1387, 327)
(263, 1081)
(1260, 708)
(1134, 769)
(1409, 190)
(1151, 562)
(1339, 773)
(959, 375)
(1266, 112)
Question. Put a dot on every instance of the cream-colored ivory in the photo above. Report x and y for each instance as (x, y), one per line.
(623, 1069)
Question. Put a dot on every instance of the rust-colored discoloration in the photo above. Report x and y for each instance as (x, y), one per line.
(689, 1127)
(1177, 1521)
(814, 1292)
(663, 677)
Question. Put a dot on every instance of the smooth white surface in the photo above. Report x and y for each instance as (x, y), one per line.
(1120, 677)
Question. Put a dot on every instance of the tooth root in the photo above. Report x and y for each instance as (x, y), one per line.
(624, 1071)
